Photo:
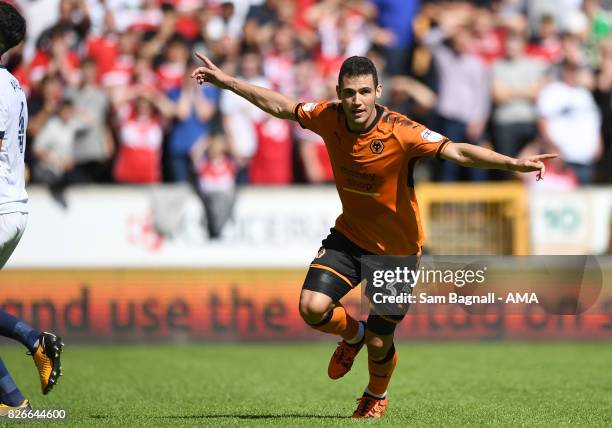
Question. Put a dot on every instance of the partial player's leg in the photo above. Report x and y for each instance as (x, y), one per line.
(12, 226)
(382, 358)
(320, 308)
(10, 396)
(45, 348)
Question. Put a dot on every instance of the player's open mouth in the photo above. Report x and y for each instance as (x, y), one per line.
(358, 112)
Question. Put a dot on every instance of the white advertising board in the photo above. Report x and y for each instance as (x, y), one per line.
(120, 227)
(131, 227)
(576, 222)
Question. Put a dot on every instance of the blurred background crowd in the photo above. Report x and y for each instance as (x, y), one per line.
(110, 97)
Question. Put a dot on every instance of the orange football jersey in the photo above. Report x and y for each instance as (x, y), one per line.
(373, 174)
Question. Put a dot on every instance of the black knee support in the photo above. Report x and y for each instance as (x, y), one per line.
(326, 282)
(383, 325)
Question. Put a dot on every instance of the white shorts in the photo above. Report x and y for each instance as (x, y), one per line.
(12, 226)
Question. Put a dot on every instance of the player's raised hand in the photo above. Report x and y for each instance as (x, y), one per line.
(532, 164)
(210, 73)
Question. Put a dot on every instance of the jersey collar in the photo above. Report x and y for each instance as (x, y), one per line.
(379, 113)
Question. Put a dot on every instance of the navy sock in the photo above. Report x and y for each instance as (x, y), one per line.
(9, 393)
(18, 330)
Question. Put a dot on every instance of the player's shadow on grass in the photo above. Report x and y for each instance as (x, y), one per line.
(252, 417)
(238, 416)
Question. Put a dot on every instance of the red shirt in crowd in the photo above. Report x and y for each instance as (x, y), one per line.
(139, 157)
(104, 50)
(549, 51)
(271, 163)
(170, 76)
(489, 47)
(217, 175)
(41, 61)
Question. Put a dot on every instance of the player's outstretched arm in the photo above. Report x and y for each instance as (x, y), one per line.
(478, 157)
(268, 100)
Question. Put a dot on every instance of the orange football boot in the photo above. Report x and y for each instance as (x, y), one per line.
(370, 407)
(343, 358)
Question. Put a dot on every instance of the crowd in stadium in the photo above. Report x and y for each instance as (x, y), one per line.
(110, 98)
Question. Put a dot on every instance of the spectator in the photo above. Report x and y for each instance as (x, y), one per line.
(463, 95)
(74, 19)
(171, 72)
(56, 58)
(279, 61)
(216, 173)
(140, 140)
(343, 30)
(260, 23)
(410, 97)
(43, 104)
(570, 122)
(159, 38)
(487, 41)
(226, 23)
(393, 16)
(315, 161)
(39, 15)
(93, 146)
(603, 97)
(193, 109)
(53, 148)
(601, 27)
(104, 48)
(148, 18)
(516, 83)
(272, 161)
(239, 117)
(559, 11)
(547, 44)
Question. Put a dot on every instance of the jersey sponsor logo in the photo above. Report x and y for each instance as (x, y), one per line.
(309, 107)
(431, 136)
(377, 147)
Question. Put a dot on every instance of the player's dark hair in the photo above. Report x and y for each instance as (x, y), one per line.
(358, 66)
(12, 27)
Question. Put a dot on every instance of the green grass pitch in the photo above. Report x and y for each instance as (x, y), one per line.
(437, 384)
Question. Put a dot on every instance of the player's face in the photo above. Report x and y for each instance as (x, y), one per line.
(358, 95)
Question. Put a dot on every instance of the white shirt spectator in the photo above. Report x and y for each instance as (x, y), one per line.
(125, 12)
(59, 138)
(241, 117)
(573, 121)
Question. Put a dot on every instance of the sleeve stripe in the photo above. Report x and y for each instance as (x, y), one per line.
(297, 117)
(441, 148)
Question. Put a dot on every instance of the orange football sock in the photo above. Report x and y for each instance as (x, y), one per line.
(380, 372)
(338, 321)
